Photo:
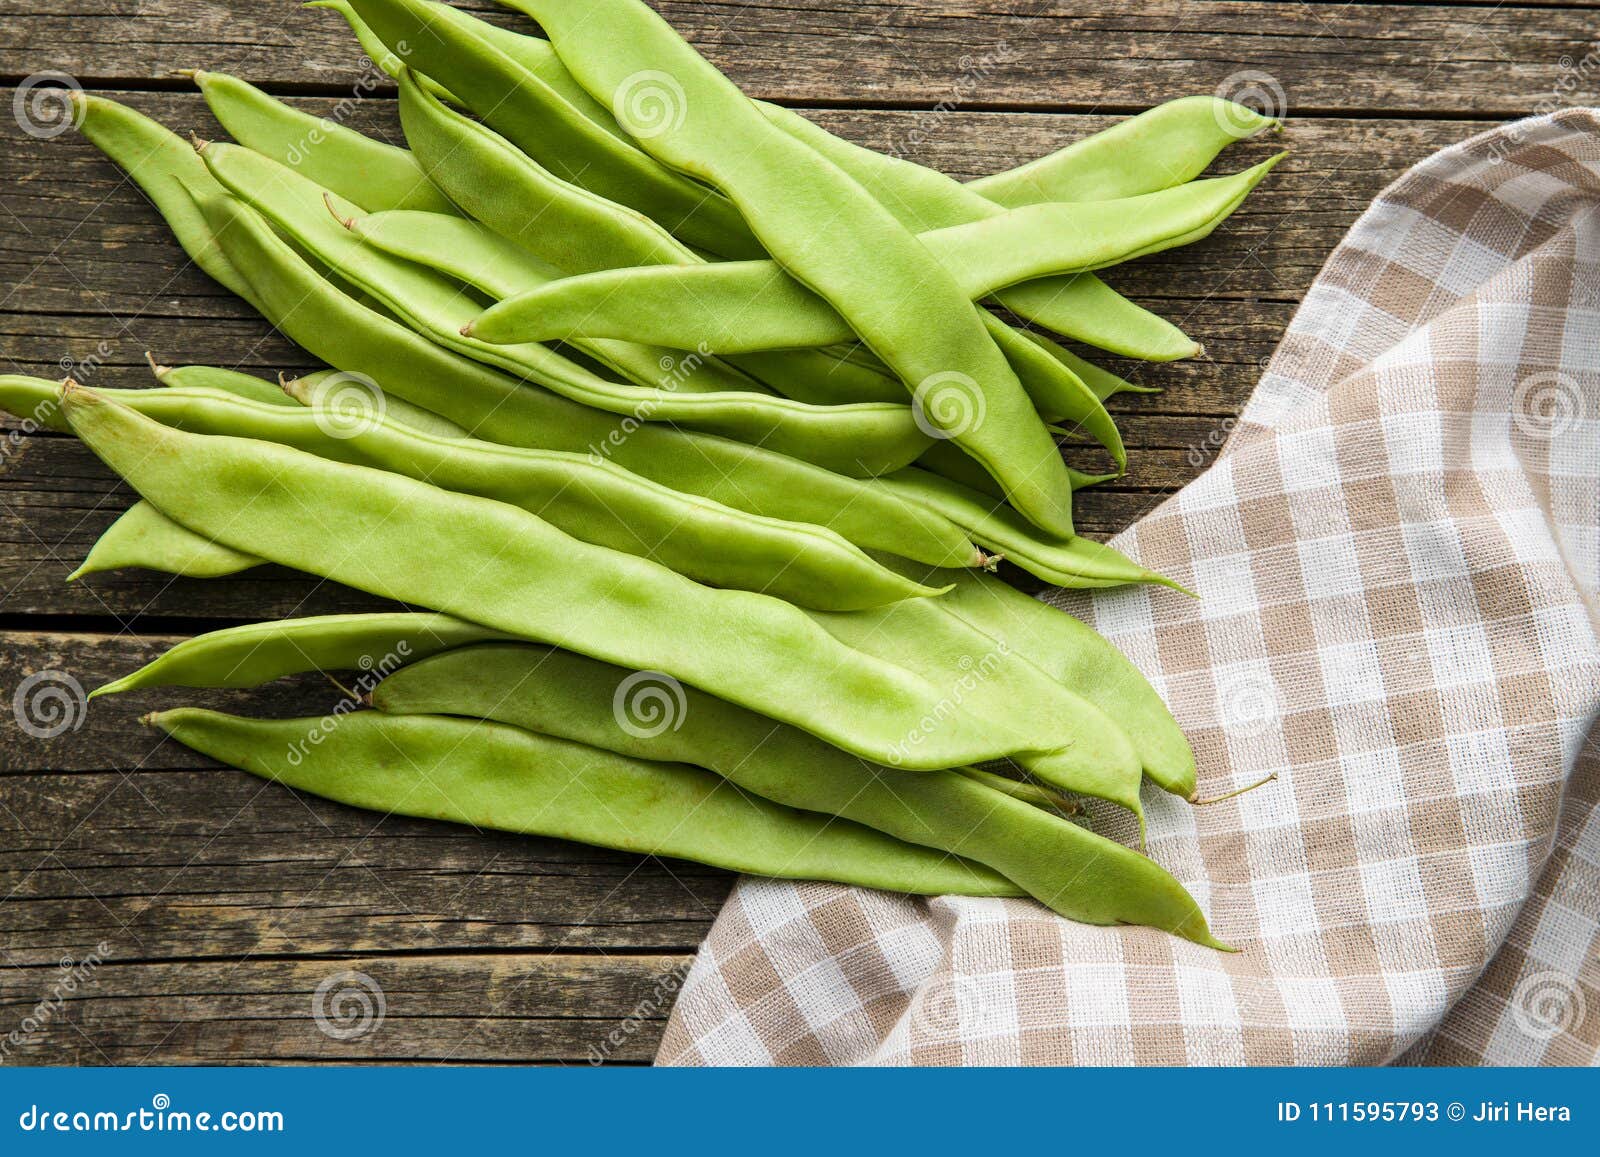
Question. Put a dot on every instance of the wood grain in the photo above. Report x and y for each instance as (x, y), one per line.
(506, 1009)
(1493, 61)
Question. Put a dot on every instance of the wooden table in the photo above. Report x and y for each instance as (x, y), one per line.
(206, 916)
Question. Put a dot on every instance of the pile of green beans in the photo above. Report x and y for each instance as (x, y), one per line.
(698, 439)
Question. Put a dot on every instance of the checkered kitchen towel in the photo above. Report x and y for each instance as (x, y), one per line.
(1397, 554)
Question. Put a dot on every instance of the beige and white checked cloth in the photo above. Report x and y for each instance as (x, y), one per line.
(1397, 554)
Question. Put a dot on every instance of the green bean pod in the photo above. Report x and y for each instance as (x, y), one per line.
(1074, 745)
(750, 305)
(509, 570)
(477, 256)
(1081, 307)
(257, 653)
(557, 220)
(542, 123)
(144, 537)
(820, 225)
(313, 312)
(493, 776)
(167, 168)
(1081, 659)
(869, 438)
(557, 693)
(596, 502)
(1161, 147)
(322, 150)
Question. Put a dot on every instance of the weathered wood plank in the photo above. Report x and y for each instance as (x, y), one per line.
(134, 839)
(1039, 54)
(520, 1008)
(80, 239)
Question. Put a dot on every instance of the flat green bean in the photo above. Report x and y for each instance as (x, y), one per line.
(751, 305)
(257, 653)
(511, 571)
(596, 502)
(321, 149)
(554, 692)
(1083, 660)
(477, 256)
(493, 776)
(818, 223)
(1081, 307)
(1161, 147)
(545, 125)
(166, 167)
(869, 438)
(1075, 746)
(313, 312)
(144, 537)
(571, 230)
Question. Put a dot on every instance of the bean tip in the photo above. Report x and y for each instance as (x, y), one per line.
(156, 368)
(198, 143)
(466, 330)
(193, 74)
